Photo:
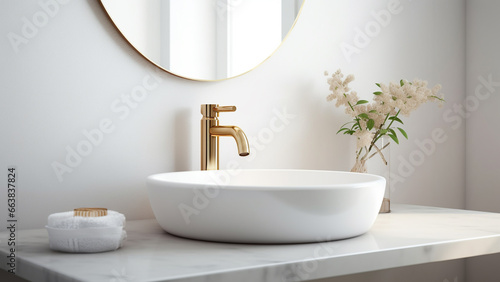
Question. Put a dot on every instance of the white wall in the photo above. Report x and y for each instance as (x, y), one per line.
(483, 137)
(76, 72)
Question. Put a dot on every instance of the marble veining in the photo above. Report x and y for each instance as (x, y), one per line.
(407, 236)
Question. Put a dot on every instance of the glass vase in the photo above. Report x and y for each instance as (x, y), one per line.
(378, 162)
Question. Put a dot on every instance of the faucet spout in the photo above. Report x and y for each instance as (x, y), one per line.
(238, 135)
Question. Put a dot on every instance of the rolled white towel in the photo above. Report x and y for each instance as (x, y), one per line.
(77, 234)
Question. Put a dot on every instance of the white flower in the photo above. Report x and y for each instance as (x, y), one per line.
(364, 139)
(341, 91)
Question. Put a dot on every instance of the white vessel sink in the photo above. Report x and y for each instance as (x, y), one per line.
(266, 206)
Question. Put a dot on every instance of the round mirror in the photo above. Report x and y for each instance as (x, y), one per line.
(204, 39)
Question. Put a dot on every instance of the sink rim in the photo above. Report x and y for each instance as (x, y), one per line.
(369, 179)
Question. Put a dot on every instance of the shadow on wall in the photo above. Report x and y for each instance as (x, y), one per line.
(182, 155)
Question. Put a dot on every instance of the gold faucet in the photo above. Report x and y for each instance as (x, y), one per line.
(210, 132)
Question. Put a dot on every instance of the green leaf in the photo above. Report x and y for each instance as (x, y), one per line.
(362, 102)
(395, 138)
(403, 132)
(383, 131)
(342, 129)
(370, 124)
(350, 132)
(378, 84)
(373, 111)
(401, 82)
(396, 119)
(436, 97)
(377, 93)
(346, 123)
(364, 116)
(392, 131)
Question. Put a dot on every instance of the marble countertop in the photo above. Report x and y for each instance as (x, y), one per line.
(407, 236)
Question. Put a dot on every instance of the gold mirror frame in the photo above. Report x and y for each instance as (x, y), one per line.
(200, 79)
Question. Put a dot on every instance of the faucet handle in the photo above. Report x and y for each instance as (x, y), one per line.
(225, 109)
(213, 110)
